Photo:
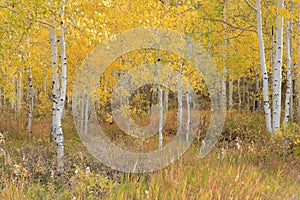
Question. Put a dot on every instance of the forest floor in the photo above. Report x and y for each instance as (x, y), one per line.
(245, 164)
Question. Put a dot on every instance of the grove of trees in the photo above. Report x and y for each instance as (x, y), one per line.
(254, 43)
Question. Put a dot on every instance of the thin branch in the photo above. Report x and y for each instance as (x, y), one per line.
(30, 19)
(236, 36)
(10, 9)
(20, 41)
(231, 25)
(45, 23)
(250, 5)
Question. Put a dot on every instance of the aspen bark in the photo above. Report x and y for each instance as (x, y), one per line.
(188, 105)
(62, 97)
(160, 102)
(244, 92)
(55, 82)
(224, 56)
(86, 115)
(59, 134)
(289, 71)
(83, 98)
(257, 99)
(179, 99)
(19, 91)
(30, 91)
(230, 94)
(239, 95)
(263, 67)
(277, 70)
(298, 78)
(188, 101)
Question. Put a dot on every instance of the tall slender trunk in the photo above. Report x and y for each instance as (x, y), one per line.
(13, 100)
(166, 96)
(248, 96)
(86, 115)
(230, 94)
(244, 92)
(277, 70)
(30, 90)
(83, 98)
(55, 81)
(289, 70)
(298, 78)
(62, 96)
(160, 101)
(263, 67)
(291, 118)
(127, 81)
(188, 107)
(19, 91)
(256, 97)
(45, 82)
(179, 98)
(239, 95)
(188, 100)
(224, 57)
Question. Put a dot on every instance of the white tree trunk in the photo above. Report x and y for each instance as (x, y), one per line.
(298, 78)
(55, 82)
(86, 115)
(62, 97)
(59, 134)
(248, 95)
(127, 81)
(30, 91)
(160, 102)
(230, 94)
(45, 84)
(257, 99)
(277, 70)
(239, 95)
(263, 67)
(179, 99)
(224, 57)
(291, 118)
(19, 91)
(289, 70)
(30, 104)
(13, 99)
(83, 98)
(188, 107)
(244, 92)
(188, 100)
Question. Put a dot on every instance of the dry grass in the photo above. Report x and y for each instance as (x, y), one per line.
(246, 164)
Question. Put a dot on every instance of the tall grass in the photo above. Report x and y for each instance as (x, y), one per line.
(246, 164)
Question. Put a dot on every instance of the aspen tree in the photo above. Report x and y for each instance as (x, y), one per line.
(289, 70)
(277, 69)
(263, 67)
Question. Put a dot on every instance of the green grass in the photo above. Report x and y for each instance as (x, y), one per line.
(246, 164)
